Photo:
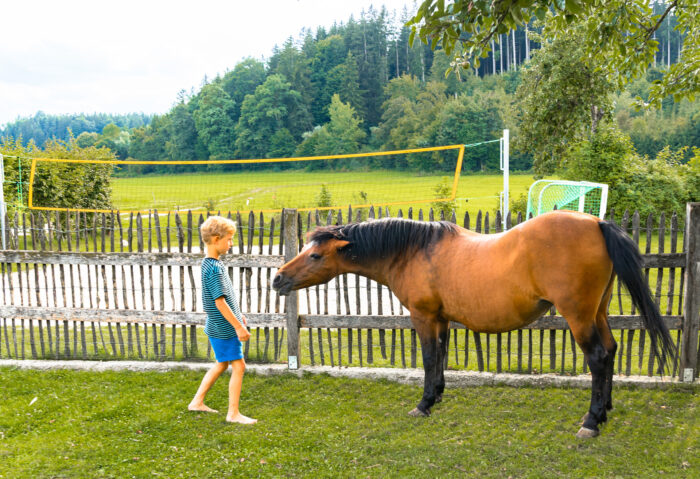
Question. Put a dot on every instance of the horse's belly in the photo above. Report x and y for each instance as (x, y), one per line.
(495, 318)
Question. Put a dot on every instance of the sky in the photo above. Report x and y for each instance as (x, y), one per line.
(75, 56)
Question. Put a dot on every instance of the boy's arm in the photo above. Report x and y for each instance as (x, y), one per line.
(227, 313)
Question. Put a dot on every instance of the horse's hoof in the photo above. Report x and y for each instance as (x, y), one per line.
(585, 433)
(418, 413)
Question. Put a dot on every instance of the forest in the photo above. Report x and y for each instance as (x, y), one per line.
(361, 86)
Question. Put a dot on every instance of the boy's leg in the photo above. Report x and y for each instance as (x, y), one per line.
(197, 403)
(234, 394)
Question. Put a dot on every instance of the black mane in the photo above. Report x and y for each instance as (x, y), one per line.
(384, 238)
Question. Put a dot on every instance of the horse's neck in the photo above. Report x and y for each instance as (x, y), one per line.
(381, 271)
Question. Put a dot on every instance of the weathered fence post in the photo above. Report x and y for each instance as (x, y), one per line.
(691, 316)
(291, 246)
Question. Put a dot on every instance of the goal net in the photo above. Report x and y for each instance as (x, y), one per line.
(583, 196)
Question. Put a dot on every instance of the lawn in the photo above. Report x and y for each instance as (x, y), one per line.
(269, 190)
(127, 424)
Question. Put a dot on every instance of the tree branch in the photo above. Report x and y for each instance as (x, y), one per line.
(650, 31)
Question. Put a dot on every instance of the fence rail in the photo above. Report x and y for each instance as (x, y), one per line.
(75, 285)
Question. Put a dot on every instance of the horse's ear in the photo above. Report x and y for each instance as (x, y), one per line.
(340, 245)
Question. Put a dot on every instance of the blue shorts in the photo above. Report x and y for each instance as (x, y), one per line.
(227, 349)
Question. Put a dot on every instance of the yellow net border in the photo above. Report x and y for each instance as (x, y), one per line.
(455, 182)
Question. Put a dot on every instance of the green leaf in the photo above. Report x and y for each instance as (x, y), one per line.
(541, 13)
(574, 7)
(517, 15)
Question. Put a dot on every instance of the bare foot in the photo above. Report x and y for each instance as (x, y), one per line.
(241, 419)
(200, 407)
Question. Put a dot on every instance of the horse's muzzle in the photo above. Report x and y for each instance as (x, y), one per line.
(282, 284)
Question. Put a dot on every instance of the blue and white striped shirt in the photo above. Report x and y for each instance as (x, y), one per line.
(215, 284)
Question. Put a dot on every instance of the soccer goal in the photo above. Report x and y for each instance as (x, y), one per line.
(583, 196)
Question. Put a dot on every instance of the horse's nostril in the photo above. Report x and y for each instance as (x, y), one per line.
(276, 282)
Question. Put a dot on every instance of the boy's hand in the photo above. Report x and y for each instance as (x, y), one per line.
(243, 334)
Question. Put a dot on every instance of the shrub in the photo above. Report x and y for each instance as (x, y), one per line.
(324, 198)
(443, 190)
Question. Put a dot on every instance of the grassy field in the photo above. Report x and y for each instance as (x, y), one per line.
(268, 190)
(126, 424)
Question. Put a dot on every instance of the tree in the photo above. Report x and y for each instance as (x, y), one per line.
(344, 132)
(282, 144)
(367, 41)
(441, 64)
(273, 106)
(559, 101)
(327, 73)
(619, 34)
(214, 121)
(86, 139)
(242, 81)
(294, 66)
(408, 114)
(400, 125)
(148, 143)
(115, 139)
(183, 134)
(344, 79)
(341, 135)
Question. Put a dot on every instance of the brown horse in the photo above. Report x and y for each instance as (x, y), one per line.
(492, 283)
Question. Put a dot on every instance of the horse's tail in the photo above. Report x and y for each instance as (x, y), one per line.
(627, 263)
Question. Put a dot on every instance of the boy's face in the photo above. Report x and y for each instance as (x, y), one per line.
(223, 243)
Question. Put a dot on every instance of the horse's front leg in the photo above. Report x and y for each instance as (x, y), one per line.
(428, 333)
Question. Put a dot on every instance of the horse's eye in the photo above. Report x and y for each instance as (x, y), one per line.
(315, 256)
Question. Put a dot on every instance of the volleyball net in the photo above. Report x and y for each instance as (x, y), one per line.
(359, 180)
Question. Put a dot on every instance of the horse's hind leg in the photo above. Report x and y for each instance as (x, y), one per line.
(582, 321)
(608, 342)
(610, 346)
(443, 343)
(598, 361)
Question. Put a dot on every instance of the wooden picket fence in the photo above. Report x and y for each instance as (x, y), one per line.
(113, 286)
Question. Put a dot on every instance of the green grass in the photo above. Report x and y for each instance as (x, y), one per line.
(269, 190)
(126, 424)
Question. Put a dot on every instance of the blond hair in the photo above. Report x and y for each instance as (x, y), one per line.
(216, 226)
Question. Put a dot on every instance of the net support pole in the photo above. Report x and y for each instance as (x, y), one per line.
(3, 206)
(505, 162)
(603, 201)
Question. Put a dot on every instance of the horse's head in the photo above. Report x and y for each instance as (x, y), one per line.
(317, 263)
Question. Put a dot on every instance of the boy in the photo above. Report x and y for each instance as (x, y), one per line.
(225, 324)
